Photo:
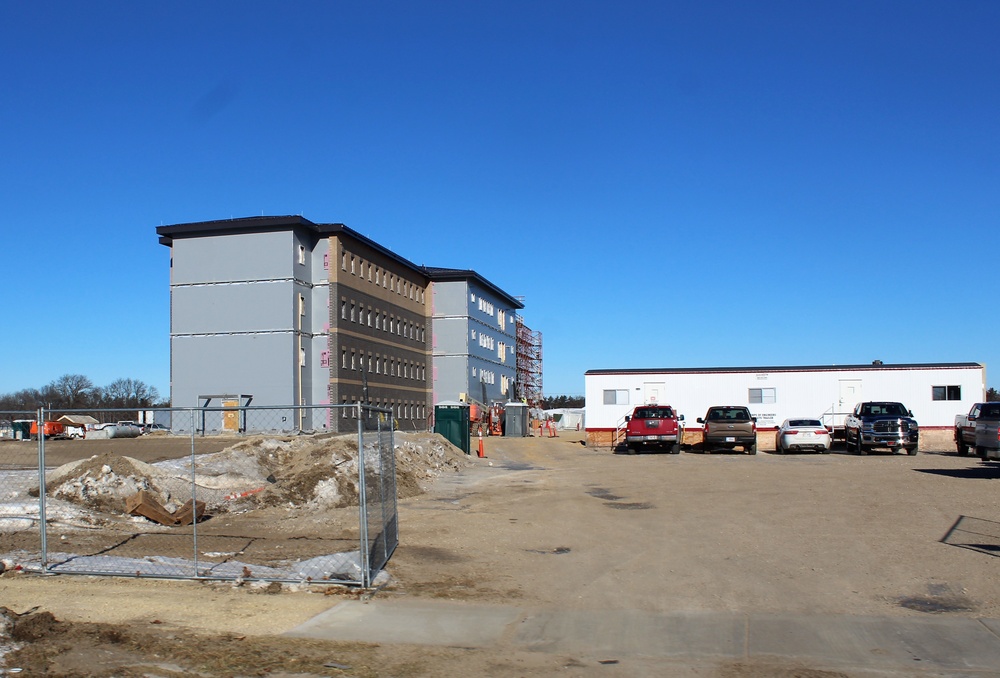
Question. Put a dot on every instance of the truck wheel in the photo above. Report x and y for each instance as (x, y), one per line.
(859, 446)
(963, 449)
(630, 449)
(912, 451)
(675, 448)
(980, 451)
(752, 449)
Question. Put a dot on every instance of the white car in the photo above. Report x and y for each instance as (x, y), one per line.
(802, 434)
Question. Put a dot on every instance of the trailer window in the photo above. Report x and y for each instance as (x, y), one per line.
(946, 392)
(616, 397)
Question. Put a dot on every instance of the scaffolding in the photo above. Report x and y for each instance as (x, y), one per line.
(529, 364)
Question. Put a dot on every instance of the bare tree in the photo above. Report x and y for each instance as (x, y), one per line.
(130, 393)
(74, 391)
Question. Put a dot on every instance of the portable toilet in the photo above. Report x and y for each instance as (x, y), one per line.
(451, 420)
(21, 429)
(516, 420)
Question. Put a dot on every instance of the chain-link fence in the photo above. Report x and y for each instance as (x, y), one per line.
(248, 493)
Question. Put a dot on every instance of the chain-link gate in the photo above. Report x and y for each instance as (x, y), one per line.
(248, 493)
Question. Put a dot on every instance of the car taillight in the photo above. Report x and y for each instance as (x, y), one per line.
(753, 427)
(706, 427)
(790, 433)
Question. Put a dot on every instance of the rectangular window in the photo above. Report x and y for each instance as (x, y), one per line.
(343, 358)
(302, 254)
(353, 314)
(343, 309)
(302, 357)
(761, 396)
(616, 397)
(946, 392)
(302, 305)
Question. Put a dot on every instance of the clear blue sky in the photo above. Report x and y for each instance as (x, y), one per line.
(833, 167)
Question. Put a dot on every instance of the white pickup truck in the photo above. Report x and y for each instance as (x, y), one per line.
(979, 429)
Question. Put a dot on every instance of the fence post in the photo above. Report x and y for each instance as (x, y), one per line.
(41, 488)
(194, 490)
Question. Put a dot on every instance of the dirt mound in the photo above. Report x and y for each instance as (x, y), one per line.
(319, 472)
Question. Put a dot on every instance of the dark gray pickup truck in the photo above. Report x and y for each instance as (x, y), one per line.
(881, 424)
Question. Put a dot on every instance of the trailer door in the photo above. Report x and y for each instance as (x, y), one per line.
(850, 395)
(653, 392)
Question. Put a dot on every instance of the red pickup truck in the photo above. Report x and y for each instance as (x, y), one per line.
(654, 426)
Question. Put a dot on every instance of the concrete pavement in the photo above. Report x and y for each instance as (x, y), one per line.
(932, 645)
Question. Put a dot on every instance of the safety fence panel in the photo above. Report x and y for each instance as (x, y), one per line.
(213, 493)
(20, 521)
(379, 509)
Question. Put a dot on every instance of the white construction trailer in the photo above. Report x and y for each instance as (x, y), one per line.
(934, 392)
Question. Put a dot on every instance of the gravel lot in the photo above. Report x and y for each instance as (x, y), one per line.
(552, 523)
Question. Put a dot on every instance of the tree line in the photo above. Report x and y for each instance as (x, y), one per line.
(77, 392)
(556, 402)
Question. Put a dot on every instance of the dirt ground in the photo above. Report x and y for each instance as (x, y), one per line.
(551, 523)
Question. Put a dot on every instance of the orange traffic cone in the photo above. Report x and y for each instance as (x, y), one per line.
(481, 453)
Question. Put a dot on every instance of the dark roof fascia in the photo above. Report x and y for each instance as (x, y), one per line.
(228, 226)
(272, 223)
(457, 274)
(791, 368)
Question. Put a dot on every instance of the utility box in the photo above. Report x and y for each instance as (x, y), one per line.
(451, 420)
(516, 420)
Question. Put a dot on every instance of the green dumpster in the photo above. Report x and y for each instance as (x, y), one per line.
(451, 420)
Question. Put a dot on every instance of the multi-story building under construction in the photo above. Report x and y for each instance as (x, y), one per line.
(283, 311)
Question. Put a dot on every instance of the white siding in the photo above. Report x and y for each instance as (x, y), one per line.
(810, 392)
